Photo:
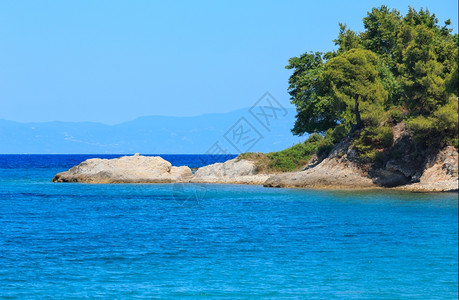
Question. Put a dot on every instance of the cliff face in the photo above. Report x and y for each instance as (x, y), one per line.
(412, 168)
(440, 173)
(402, 166)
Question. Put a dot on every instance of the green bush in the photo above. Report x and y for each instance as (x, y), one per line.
(331, 138)
(383, 137)
(325, 148)
(373, 155)
(281, 163)
(373, 117)
(372, 141)
(290, 159)
(394, 115)
(339, 133)
(422, 129)
(314, 138)
(294, 157)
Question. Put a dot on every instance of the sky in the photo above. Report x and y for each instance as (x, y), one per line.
(113, 61)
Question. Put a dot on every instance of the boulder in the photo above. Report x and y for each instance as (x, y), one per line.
(233, 171)
(126, 169)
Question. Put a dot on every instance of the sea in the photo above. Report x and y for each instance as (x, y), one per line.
(208, 241)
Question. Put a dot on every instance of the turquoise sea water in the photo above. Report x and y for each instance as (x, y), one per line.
(62, 240)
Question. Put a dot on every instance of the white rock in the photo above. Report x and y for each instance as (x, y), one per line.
(230, 172)
(126, 169)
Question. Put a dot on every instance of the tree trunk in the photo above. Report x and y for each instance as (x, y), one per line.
(357, 114)
(358, 121)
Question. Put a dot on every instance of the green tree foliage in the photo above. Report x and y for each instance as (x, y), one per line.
(452, 82)
(309, 92)
(390, 83)
(399, 67)
(335, 92)
(354, 84)
(423, 63)
(440, 127)
(347, 39)
(426, 56)
(381, 24)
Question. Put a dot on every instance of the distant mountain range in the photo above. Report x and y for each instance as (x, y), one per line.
(152, 135)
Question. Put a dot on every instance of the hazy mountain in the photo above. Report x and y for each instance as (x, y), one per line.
(148, 135)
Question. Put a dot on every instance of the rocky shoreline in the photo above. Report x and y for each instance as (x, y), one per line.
(343, 169)
(145, 169)
(337, 171)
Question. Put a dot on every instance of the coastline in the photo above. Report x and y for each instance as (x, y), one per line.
(330, 174)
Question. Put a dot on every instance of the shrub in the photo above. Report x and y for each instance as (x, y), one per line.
(394, 115)
(251, 156)
(331, 138)
(281, 163)
(325, 148)
(314, 138)
(294, 157)
(383, 137)
(339, 133)
(421, 129)
(373, 118)
(372, 141)
(290, 159)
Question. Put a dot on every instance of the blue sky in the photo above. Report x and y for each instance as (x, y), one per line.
(113, 61)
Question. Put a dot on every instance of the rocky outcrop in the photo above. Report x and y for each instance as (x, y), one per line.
(440, 173)
(337, 171)
(401, 167)
(410, 168)
(127, 169)
(342, 169)
(402, 164)
(230, 172)
(143, 169)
